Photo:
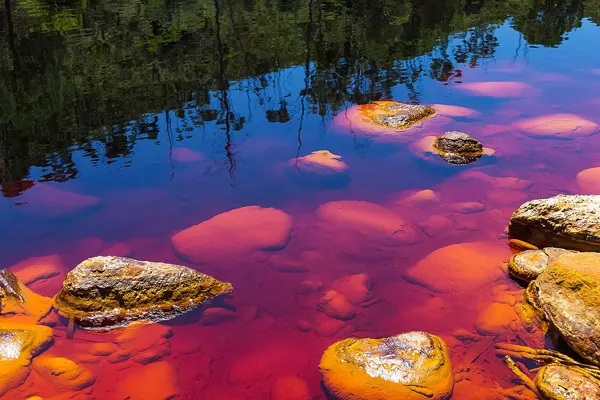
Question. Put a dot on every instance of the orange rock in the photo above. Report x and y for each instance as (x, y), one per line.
(495, 319)
(237, 231)
(497, 89)
(421, 198)
(558, 126)
(38, 268)
(29, 308)
(326, 327)
(455, 111)
(45, 200)
(144, 343)
(337, 306)
(435, 225)
(182, 154)
(18, 344)
(290, 388)
(320, 162)
(469, 207)
(460, 267)
(63, 373)
(409, 366)
(156, 381)
(356, 288)
(366, 218)
(103, 348)
(589, 181)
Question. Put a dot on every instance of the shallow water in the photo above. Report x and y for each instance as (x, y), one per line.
(122, 124)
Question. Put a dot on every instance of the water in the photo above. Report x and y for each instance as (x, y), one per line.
(123, 123)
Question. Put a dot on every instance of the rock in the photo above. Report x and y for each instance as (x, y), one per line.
(104, 292)
(431, 148)
(395, 115)
(234, 232)
(308, 286)
(520, 245)
(459, 268)
(458, 142)
(469, 207)
(527, 265)
(409, 366)
(356, 288)
(564, 221)
(497, 89)
(214, 316)
(326, 326)
(589, 181)
(290, 388)
(18, 344)
(322, 162)
(557, 126)
(38, 268)
(185, 155)
(62, 373)
(367, 218)
(422, 198)
(495, 319)
(161, 375)
(559, 382)
(337, 306)
(568, 292)
(103, 349)
(455, 111)
(143, 343)
(304, 326)
(436, 224)
(278, 263)
(18, 304)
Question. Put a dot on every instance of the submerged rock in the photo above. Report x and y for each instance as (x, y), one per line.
(564, 221)
(560, 382)
(63, 374)
(558, 126)
(104, 292)
(568, 292)
(234, 232)
(409, 366)
(18, 344)
(321, 168)
(497, 89)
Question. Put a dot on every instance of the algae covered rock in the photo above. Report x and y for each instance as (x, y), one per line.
(18, 344)
(398, 115)
(568, 292)
(104, 292)
(413, 365)
(560, 382)
(564, 221)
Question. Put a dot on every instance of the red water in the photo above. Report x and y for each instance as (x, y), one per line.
(273, 327)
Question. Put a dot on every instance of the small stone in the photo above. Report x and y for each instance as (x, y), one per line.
(304, 326)
(406, 366)
(458, 142)
(528, 264)
(356, 288)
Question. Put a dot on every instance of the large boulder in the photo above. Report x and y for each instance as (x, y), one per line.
(568, 292)
(18, 344)
(233, 233)
(409, 366)
(565, 221)
(104, 292)
(560, 382)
